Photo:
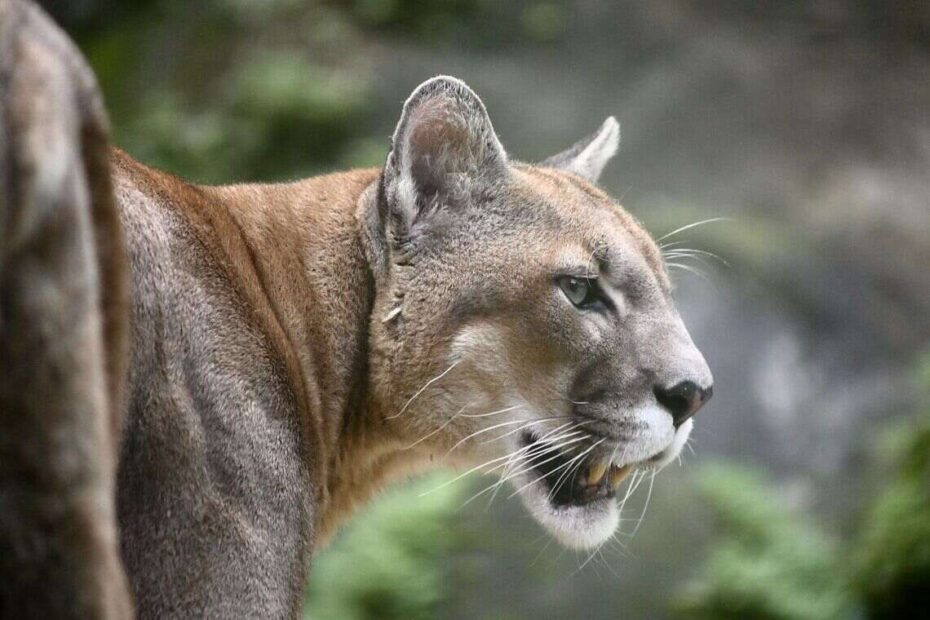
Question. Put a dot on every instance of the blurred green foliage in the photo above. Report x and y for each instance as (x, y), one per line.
(770, 563)
(233, 90)
(891, 558)
(389, 562)
(278, 118)
(241, 90)
(415, 17)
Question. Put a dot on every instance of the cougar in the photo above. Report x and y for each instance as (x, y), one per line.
(293, 348)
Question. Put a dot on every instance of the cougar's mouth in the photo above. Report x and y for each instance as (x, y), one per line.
(571, 479)
(568, 486)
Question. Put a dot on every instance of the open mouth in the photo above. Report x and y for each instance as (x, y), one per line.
(569, 485)
(572, 479)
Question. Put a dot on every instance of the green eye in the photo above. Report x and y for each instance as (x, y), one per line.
(582, 292)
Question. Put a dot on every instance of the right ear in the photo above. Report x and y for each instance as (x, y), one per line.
(588, 157)
(443, 151)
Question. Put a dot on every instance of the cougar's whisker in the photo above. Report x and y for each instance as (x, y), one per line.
(422, 389)
(553, 447)
(567, 474)
(525, 423)
(555, 443)
(463, 474)
(439, 429)
(497, 484)
(588, 559)
(488, 429)
(693, 251)
(642, 515)
(689, 269)
(556, 469)
(484, 415)
(566, 440)
(517, 430)
(693, 225)
(695, 257)
(481, 466)
(630, 489)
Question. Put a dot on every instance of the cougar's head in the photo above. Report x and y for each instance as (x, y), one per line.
(523, 321)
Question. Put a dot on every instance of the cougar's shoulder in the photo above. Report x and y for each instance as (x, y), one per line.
(215, 464)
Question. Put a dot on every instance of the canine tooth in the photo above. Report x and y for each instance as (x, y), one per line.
(596, 473)
(619, 474)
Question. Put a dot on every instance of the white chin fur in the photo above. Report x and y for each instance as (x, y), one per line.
(576, 527)
(590, 525)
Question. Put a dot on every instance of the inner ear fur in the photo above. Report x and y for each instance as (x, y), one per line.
(444, 149)
(588, 157)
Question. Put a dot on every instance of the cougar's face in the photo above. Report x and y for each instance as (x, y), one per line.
(531, 333)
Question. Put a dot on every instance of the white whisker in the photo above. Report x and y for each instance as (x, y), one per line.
(470, 471)
(484, 415)
(642, 515)
(693, 251)
(488, 429)
(552, 447)
(506, 476)
(693, 225)
(596, 444)
(517, 430)
(436, 430)
(420, 391)
(483, 465)
(697, 258)
(690, 269)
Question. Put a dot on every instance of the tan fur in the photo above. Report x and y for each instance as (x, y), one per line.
(267, 238)
(296, 347)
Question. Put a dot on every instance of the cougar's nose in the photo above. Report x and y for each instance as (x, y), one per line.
(683, 399)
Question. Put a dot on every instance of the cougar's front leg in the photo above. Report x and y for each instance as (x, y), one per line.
(63, 325)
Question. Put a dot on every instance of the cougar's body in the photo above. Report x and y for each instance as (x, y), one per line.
(292, 348)
(249, 317)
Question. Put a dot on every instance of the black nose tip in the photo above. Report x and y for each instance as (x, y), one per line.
(682, 400)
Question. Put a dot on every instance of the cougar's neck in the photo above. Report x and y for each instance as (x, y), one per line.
(305, 244)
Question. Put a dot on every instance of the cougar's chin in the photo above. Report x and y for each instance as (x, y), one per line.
(573, 494)
(575, 526)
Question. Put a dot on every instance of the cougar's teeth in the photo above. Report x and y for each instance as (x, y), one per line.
(596, 472)
(618, 475)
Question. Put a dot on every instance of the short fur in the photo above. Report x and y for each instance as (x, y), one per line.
(283, 335)
(296, 347)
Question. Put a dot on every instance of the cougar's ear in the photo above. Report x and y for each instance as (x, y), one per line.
(443, 149)
(588, 157)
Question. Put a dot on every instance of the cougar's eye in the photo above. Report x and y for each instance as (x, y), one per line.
(582, 292)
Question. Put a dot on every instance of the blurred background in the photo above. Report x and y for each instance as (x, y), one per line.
(806, 124)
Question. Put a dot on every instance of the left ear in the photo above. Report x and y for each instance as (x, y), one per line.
(588, 157)
(444, 152)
